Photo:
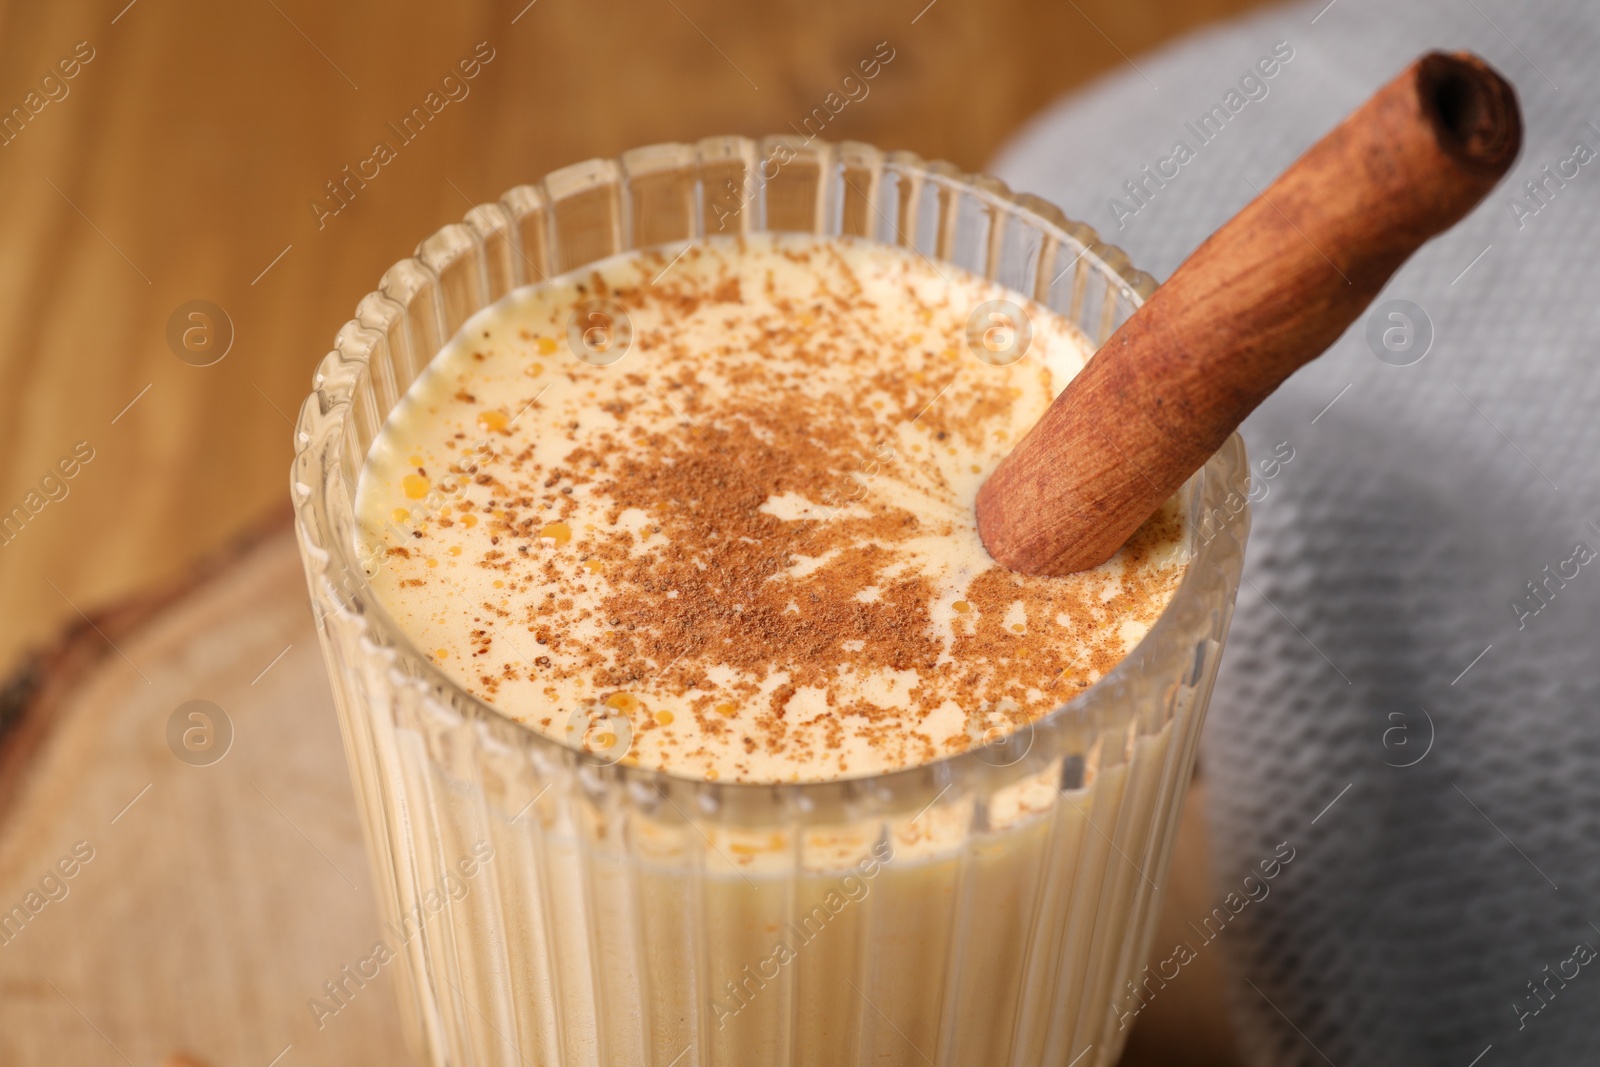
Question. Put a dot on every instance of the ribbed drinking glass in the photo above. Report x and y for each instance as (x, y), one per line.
(549, 908)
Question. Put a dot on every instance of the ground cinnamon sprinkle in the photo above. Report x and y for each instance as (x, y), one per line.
(752, 536)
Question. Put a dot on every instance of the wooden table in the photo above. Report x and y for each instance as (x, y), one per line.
(181, 161)
(184, 157)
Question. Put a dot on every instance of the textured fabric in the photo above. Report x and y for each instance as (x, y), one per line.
(1393, 549)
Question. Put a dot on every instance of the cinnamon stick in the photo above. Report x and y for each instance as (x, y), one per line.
(1265, 294)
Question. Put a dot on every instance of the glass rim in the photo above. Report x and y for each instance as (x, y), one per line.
(326, 410)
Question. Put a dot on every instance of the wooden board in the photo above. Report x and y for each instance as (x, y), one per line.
(219, 898)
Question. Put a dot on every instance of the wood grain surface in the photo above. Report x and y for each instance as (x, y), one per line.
(181, 161)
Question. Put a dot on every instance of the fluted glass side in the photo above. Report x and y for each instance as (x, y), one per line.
(545, 908)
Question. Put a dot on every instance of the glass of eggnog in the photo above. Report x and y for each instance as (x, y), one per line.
(689, 721)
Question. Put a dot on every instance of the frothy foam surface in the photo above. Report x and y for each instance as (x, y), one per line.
(745, 550)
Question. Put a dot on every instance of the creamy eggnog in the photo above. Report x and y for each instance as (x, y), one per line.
(737, 520)
(709, 511)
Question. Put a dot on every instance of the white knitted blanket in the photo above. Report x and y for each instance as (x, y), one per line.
(1411, 695)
